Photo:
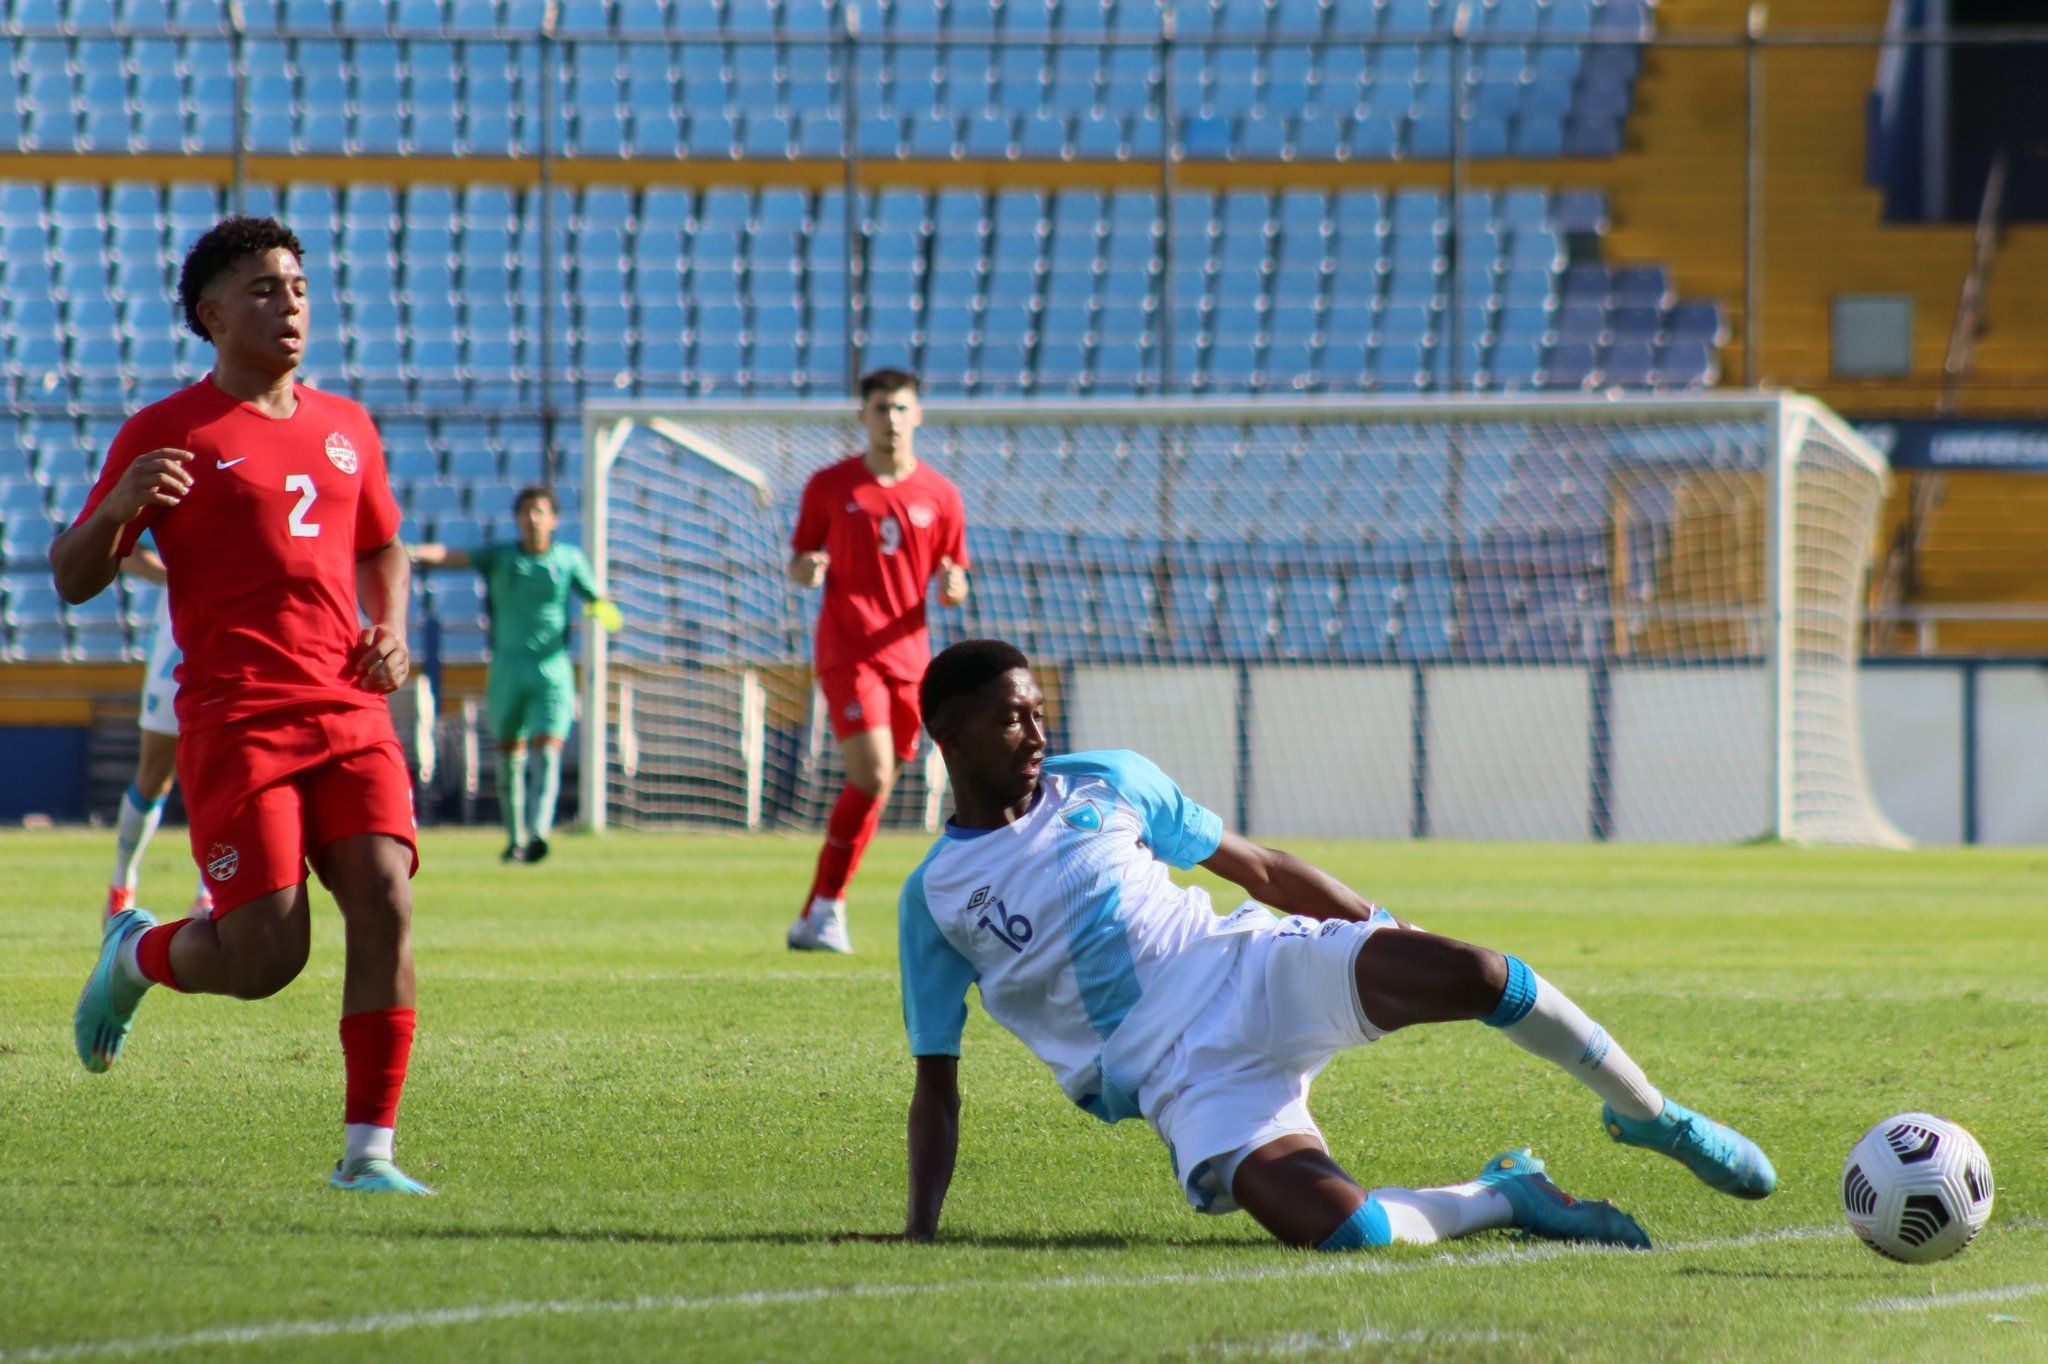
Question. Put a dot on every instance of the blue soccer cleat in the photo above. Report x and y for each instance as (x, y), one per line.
(374, 1176)
(1722, 1157)
(1542, 1209)
(106, 1006)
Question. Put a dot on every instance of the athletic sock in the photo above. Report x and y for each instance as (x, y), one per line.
(512, 796)
(1422, 1217)
(545, 791)
(145, 959)
(855, 816)
(132, 832)
(375, 1046)
(366, 1141)
(1538, 1017)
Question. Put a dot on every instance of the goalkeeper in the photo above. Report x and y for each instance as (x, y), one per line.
(532, 688)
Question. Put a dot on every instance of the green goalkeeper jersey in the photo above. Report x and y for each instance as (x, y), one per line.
(529, 598)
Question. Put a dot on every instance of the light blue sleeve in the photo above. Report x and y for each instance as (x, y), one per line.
(1180, 831)
(935, 976)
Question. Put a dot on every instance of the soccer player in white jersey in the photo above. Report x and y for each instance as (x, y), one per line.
(142, 802)
(1049, 890)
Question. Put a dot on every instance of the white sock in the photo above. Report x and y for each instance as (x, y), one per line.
(366, 1141)
(127, 968)
(132, 832)
(1422, 1217)
(1540, 1019)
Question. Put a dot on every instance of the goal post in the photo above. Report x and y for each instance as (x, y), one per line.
(1473, 617)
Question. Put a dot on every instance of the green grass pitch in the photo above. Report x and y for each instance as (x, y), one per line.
(647, 1121)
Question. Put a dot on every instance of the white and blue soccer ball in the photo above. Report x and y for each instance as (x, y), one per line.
(1917, 1188)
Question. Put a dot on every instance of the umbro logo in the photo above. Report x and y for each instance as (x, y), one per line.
(853, 508)
(227, 463)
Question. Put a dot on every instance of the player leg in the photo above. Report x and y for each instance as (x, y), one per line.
(253, 945)
(551, 714)
(1294, 1188)
(1406, 976)
(142, 810)
(859, 699)
(1297, 1006)
(505, 697)
(360, 816)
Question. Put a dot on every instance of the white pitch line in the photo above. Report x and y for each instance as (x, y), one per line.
(264, 1333)
(1936, 1301)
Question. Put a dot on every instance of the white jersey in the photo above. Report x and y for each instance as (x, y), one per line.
(1081, 943)
(159, 681)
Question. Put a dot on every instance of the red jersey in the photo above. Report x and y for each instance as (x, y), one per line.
(261, 554)
(885, 544)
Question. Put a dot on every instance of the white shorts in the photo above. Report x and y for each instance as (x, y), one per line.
(1238, 1078)
(159, 687)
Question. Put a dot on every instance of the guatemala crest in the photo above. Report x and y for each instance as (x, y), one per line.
(222, 861)
(340, 453)
(1084, 816)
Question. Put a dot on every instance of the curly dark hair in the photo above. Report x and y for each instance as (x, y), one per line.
(963, 669)
(219, 249)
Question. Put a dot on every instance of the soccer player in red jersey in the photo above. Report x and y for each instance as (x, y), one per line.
(275, 520)
(875, 529)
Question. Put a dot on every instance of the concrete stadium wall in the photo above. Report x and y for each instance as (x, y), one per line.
(1662, 754)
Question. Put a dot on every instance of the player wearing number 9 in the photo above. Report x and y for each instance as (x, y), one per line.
(279, 535)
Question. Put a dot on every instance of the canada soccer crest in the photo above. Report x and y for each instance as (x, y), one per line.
(341, 453)
(222, 861)
(921, 515)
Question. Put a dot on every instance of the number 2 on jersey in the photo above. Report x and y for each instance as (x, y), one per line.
(302, 484)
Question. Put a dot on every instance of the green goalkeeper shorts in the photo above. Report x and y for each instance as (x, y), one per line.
(528, 700)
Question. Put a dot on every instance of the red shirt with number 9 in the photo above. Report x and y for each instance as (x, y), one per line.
(261, 554)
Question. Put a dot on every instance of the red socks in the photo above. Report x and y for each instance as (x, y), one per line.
(375, 1046)
(153, 954)
(855, 816)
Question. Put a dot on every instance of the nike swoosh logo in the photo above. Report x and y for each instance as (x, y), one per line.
(227, 463)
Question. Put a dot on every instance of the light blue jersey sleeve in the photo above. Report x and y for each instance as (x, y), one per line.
(935, 976)
(1181, 832)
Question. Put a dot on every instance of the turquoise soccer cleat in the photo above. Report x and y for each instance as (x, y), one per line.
(1722, 1157)
(374, 1176)
(1542, 1209)
(106, 1006)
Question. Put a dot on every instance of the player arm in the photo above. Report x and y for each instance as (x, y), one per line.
(807, 567)
(934, 1143)
(431, 555)
(85, 558)
(1286, 882)
(145, 564)
(383, 586)
(952, 583)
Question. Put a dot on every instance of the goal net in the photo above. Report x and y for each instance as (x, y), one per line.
(1460, 618)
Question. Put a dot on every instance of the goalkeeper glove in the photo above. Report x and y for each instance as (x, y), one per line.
(604, 613)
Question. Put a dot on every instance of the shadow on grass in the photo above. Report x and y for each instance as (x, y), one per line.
(1077, 1240)
(1807, 1275)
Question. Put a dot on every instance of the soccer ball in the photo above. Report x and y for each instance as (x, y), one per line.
(1917, 1188)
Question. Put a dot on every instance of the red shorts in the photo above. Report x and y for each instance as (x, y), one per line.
(859, 697)
(268, 793)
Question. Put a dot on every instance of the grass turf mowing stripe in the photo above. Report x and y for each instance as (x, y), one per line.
(264, 1333)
